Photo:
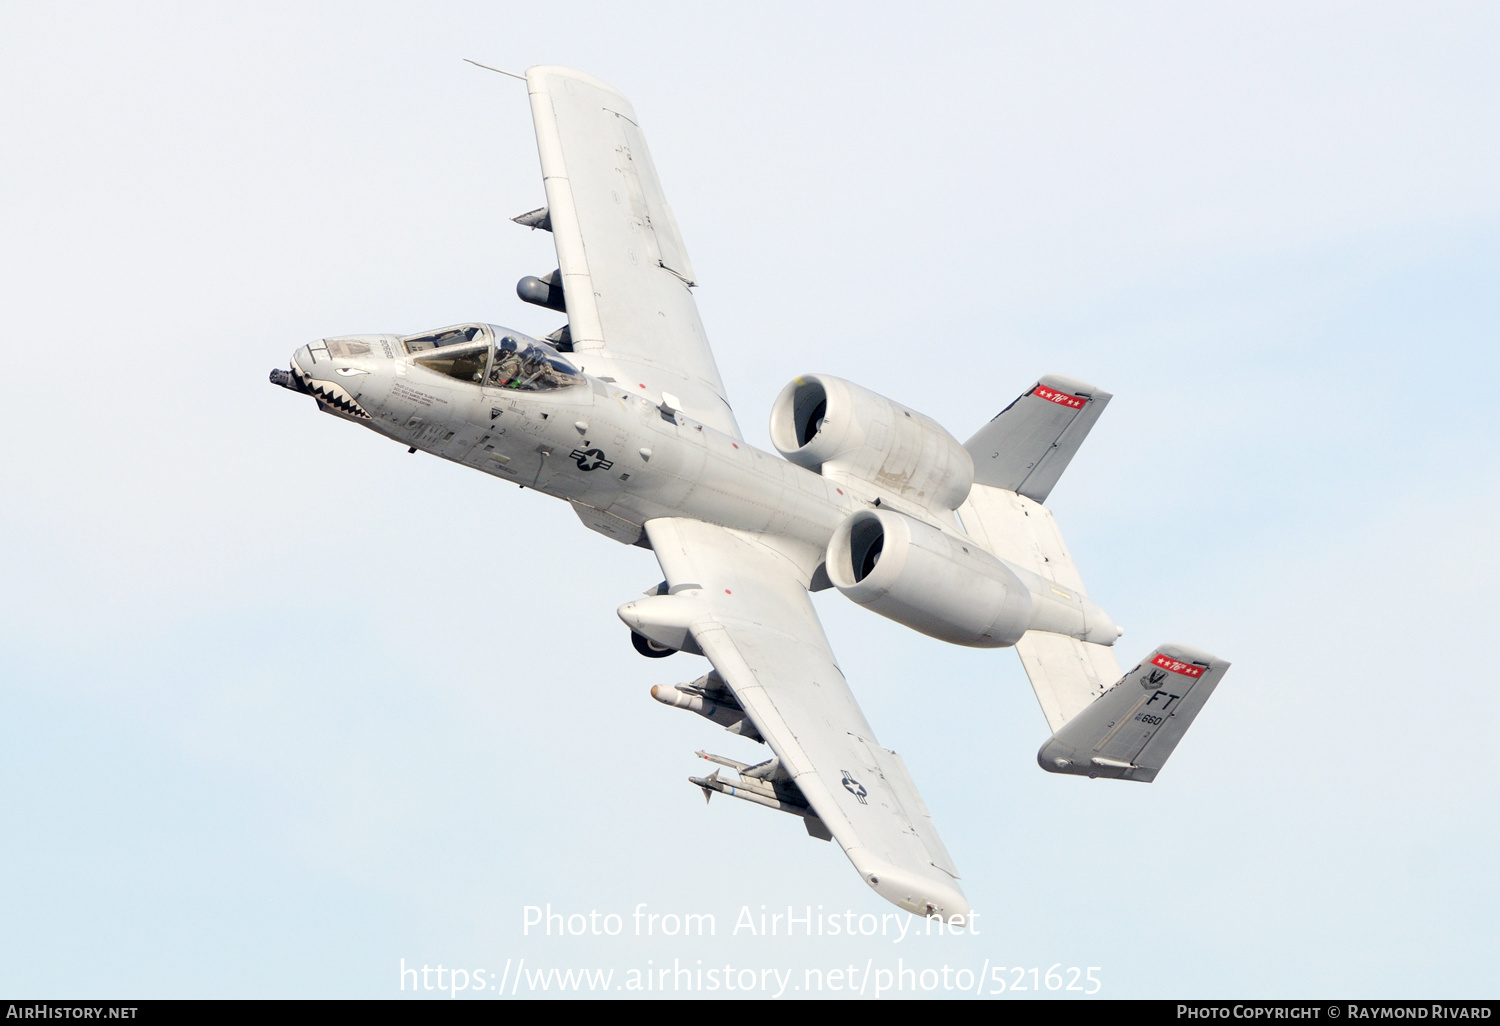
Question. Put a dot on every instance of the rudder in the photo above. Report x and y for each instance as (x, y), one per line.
(1128, 732)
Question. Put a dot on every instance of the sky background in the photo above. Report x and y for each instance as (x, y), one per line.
(281, 705)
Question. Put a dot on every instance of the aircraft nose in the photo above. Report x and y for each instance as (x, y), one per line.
(296, 378)
(326, 379)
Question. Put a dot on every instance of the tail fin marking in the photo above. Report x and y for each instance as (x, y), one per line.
(1029, 444)
(1129, 732)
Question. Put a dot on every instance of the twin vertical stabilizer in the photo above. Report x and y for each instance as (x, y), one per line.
(1104, 724)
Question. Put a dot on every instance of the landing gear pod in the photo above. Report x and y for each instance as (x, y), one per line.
(648, 648)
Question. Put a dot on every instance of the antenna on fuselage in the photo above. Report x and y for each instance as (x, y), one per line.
(501, 71)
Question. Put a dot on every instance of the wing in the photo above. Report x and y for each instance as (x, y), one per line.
(625, 272)
(747, 609)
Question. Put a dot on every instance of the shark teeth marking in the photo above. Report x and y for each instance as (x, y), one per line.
(330, 395)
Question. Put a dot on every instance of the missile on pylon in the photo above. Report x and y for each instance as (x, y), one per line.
(781, 794)
(707, 697)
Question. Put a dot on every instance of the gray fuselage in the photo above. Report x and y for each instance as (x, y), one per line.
(619, 458)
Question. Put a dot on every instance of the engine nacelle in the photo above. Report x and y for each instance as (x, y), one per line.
(949, 588)
(930, 581)
(839, 429)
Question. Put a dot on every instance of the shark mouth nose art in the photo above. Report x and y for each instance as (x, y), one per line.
(327, 393)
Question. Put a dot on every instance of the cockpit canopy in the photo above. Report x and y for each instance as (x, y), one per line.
(494, 357)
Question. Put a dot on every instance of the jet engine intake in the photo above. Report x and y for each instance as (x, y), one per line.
(930, 581)
(843, 431)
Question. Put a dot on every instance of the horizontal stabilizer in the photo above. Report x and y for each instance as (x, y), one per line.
(1067, 675)
(1028, 445)
(1131, 729)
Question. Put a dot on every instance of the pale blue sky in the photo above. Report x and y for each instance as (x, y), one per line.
(281, 705)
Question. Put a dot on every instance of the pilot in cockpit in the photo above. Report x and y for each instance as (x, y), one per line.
(506, 368)
(514, 362)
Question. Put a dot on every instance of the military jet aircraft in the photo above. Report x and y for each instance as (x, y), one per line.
(622, 414)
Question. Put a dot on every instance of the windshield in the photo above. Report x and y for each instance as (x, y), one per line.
(515, 362)
(456, 335)
(464, 362)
